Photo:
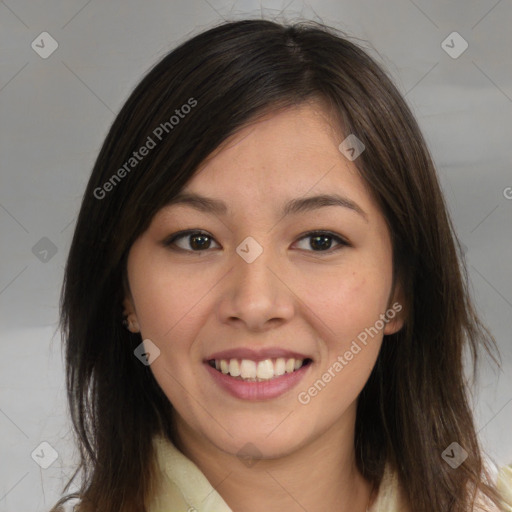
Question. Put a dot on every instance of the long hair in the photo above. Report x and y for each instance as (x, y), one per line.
(228, 76)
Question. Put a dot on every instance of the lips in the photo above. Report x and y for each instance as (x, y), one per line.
(254, 366)
(257, 375)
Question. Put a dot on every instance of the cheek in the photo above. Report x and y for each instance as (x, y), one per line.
(349, 311)
(347, 302)
(166, 301)
(167, 306)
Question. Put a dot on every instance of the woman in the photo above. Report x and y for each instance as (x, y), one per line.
(263, 305)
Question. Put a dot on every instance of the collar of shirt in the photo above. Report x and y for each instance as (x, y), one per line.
(183, 486)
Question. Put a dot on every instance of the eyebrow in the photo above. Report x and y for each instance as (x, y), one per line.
(292, 207)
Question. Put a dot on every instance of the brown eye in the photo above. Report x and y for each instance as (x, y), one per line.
(197, 241)
(321, 241)
(191, 241)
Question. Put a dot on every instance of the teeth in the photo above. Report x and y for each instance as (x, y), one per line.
(234, 368)
(290, 365)
(248, 369)
(280, 366)
(265, 369)
(258, 371)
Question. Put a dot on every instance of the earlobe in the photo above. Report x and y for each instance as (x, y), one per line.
(132, 324)
(129, 317)
(395, 318)
(396, 312)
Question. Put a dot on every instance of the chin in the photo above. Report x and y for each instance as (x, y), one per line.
(260, 443)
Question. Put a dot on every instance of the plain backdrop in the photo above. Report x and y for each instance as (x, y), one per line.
(55, 111)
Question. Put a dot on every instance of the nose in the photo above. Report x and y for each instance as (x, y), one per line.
(256, 295)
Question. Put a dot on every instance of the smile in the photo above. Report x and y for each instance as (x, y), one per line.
(258, 371)
(251, 380)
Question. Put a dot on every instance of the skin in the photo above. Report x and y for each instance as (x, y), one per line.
(316, 302)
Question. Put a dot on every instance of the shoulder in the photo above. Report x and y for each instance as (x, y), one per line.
(67, 505)
(504, 484)
(391, 496)
(503, 479)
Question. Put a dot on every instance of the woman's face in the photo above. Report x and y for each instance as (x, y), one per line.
(259, 291)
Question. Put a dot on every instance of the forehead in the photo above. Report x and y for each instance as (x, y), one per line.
(282, 135)
(286, 154)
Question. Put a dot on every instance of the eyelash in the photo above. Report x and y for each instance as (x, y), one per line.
(170, 241)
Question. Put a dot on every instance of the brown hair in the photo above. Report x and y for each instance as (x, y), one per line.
(234, 73)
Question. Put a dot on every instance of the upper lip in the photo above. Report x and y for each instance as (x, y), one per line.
(256, 355)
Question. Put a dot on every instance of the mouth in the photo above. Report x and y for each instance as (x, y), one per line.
(249, 370)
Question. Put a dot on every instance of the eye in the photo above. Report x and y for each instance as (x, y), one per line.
(194, 241)
(321, 241)
(197, 241)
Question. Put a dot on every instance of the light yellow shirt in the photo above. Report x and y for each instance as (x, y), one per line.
(184, 488)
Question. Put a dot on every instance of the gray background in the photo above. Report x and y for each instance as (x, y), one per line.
(55, 112)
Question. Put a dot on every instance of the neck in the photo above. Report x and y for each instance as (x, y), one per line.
(321, 475)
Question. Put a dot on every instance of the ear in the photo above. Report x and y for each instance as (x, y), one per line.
(397, 311)
(129, 314)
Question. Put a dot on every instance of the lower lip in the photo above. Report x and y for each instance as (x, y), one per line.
(263, 390)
